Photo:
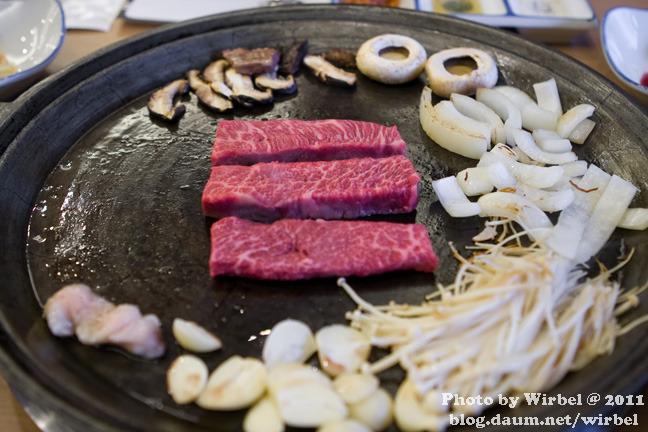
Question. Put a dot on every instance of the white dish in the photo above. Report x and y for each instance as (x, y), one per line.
(31, 34)
(624, 38)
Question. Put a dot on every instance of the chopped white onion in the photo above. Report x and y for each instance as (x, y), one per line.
(535, 117)
(549, 201)
(474, 181)
(480, 112)
(449, 133)
(504, 108)
(516, 208)
(606, 216)
(547, 96)
(575, 169)
(525, 141)
(634, 219)
(518, 97)
(452, 198)
(581, 131)
(572, 118)
(568, 231)
(533, 175)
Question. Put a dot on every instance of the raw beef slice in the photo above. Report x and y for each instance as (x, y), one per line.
(241, 142)
(348, 189)
(292, 249)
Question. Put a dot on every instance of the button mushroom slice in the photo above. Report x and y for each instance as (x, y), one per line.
(161, 102)
(205, 94)
(328, 73)
(244, 91)
(215, 75)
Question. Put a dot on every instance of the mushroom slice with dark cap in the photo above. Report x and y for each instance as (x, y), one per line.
(244, 91)
(215, 75)
(205, 94)
(278, 84)
(328, 73)
(161, 102)
(292, 57)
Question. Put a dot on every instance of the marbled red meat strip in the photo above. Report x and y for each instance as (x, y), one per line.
(241, 142)
(347, 189)
(292, 249)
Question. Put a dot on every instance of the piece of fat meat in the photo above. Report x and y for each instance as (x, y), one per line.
(76, 310)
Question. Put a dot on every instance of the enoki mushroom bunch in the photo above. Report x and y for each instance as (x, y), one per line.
(516, 319)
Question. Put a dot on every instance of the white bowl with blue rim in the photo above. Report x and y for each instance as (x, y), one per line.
(31, 34)
(624, 38)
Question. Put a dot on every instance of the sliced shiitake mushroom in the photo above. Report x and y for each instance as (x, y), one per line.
(215, 75)
(328, 73)
(277, 84)
(243, 89)
(161, 103)
(340, 58)
(292, 57)
(203, 90)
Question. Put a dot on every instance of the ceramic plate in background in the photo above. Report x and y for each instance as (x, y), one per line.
(31, 34)
(624, 37)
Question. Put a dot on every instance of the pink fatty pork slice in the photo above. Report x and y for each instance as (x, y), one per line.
(240, 142)
(341, 189)
(293, 249)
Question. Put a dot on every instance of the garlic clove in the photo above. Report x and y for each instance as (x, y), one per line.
(374, 411)
(348, 425)
(235, 384)
(186, 378)
(354, 387)
(310, 404)
(341, 348)
(290, 341)
(290, 374)
(411, 414)
(264, 416)
(193, 337)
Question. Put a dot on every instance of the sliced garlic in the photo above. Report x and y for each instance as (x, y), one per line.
(341, 348)
(194, 337)
(354, 387)
(290, 374)
(374, 411)
(186, 378)
(235, 384)
(264, 416)
(289, 341)
(304, 396)
(347, 425)
(411, 414)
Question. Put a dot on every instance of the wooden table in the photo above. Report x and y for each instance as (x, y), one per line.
(586, 48)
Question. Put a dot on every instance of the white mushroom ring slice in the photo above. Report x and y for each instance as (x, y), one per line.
(389, 70)
(443, 82)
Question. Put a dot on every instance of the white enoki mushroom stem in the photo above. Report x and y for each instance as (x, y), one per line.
(517, 318)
